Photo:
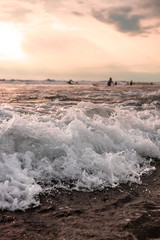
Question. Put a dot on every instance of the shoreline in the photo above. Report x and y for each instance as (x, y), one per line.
(130, 212)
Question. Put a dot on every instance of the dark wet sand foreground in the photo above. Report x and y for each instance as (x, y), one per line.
(126, 212)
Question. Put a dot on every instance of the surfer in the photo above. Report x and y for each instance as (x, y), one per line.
(110, 82)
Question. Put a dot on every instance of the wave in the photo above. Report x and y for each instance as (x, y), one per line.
(85, 147)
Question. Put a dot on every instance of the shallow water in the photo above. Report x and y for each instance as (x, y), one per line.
(74, 137)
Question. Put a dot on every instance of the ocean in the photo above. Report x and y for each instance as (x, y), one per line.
(82, 137)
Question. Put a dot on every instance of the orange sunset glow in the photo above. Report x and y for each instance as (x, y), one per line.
(83, 40)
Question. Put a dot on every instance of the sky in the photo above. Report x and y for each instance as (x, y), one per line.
(80, 39)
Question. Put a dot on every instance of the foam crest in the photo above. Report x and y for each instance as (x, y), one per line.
(17, 187)
(85, 147)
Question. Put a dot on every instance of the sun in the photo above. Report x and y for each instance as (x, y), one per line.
(10, 42)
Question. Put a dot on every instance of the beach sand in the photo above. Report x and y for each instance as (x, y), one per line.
(127, 212)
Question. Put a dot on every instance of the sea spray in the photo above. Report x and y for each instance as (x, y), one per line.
(84, 147)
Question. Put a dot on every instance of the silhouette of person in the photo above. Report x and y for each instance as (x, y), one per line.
(131, 82)
(109, 82)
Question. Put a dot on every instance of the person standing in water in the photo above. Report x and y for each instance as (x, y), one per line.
(110, 82)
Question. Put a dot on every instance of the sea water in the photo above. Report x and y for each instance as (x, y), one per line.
(75, 138)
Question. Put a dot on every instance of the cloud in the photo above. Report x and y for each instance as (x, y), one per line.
(15, 11)
(77, 13)
(133, 19)
(64, 28)
(153, 8)
(62, 51)
(123, 18)
(26, 11)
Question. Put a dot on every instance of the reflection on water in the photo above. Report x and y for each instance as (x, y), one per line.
(66, 94)
(46, 99)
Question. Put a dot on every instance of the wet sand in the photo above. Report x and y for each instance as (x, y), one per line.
(128, 212)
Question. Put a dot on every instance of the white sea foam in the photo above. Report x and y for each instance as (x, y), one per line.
(85, 147)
